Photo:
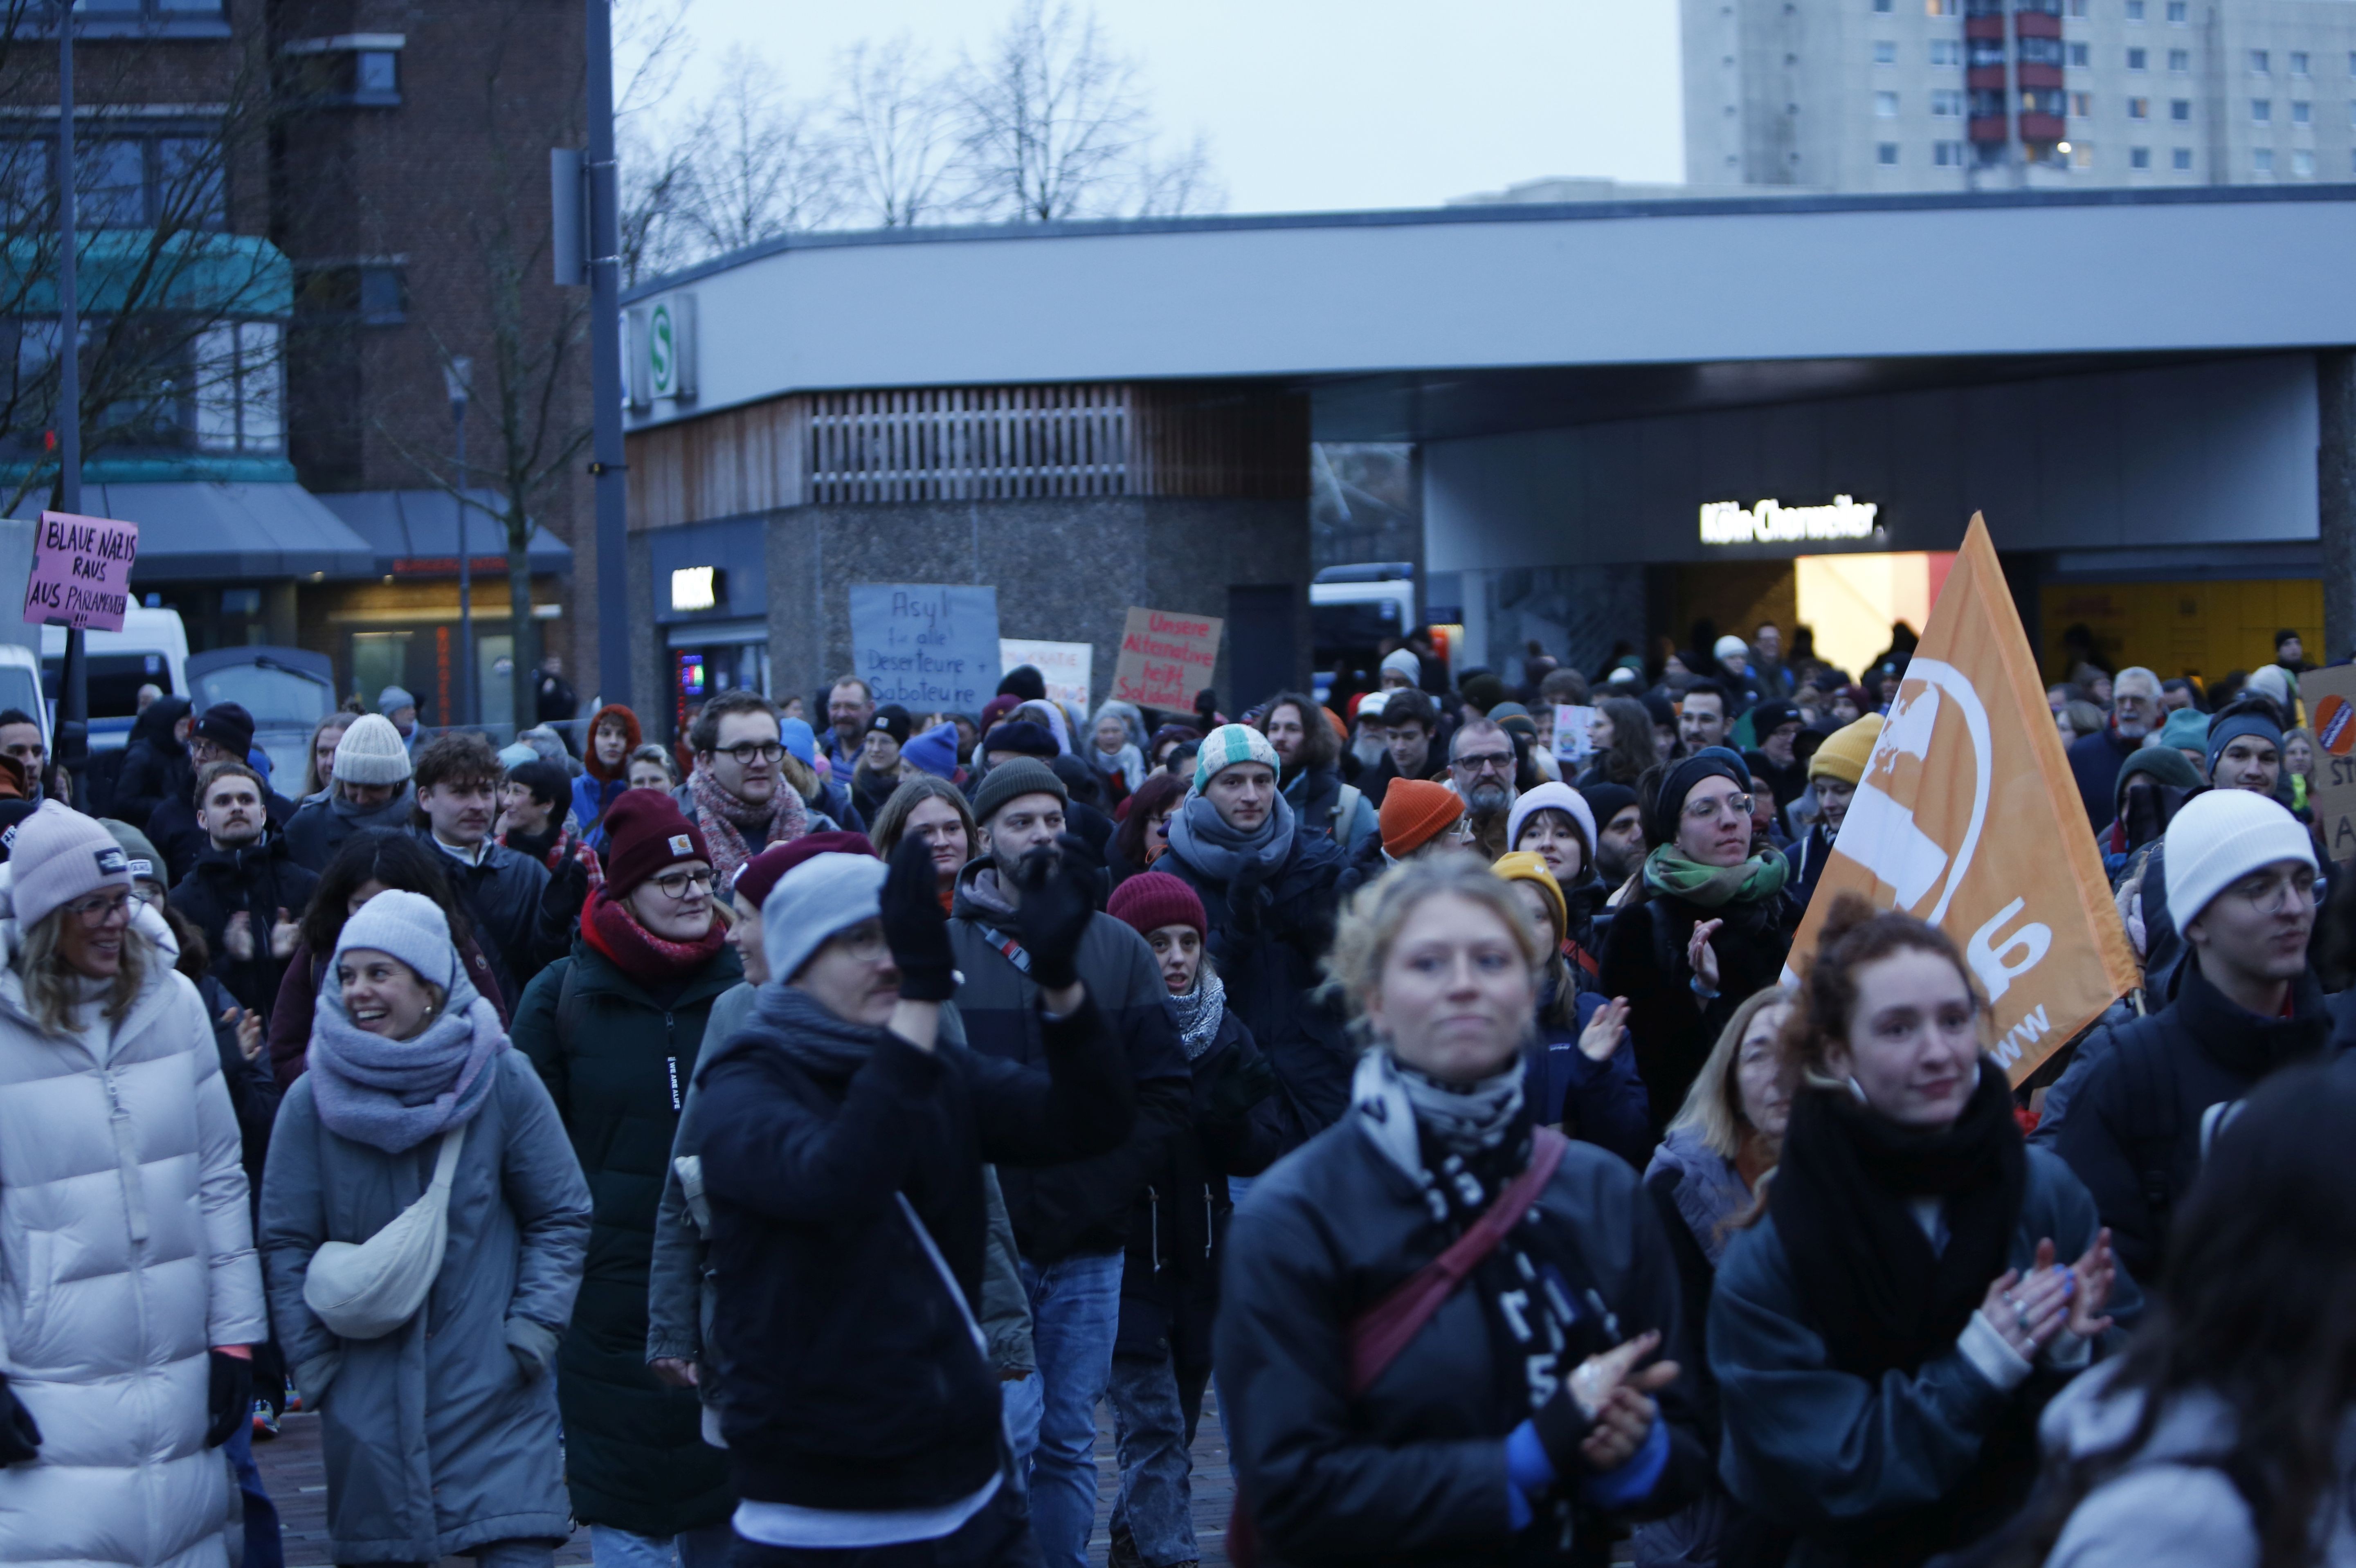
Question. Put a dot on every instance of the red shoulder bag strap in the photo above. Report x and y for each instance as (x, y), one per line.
(1378, 1334)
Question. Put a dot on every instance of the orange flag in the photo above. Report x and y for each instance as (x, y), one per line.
(1967, 818)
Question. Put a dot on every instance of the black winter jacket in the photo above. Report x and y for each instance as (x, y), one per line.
(2146, 1096)
(1082, 1207)
(1177, 1233)
(515, 925)
(173, 827)
(849, 1379)
(154, 766)
(260, 879)
(1413, 1472)
(1674, 1029)
(1269, 949)
(617, 1057)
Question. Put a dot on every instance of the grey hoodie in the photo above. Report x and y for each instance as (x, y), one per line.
(2169, 1505)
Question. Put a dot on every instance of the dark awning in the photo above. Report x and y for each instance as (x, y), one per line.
(414, 533)
(197, 530)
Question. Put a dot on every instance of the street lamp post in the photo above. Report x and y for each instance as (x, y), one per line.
(458, 376)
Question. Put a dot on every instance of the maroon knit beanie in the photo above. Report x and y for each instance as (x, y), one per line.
(1152, 899)
(646, 834)
(756, 876)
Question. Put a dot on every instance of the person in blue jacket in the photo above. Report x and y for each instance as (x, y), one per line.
(1921, 1282)
(613, 735)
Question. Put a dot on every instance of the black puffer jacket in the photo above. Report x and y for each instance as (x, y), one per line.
(181, 840)
(2146, 1096)
(1413, 1472)
(1268, 948)
(1674, 1028)
(849, 1378)
(258, 879)
(1082, 1207)
(1169, 1284)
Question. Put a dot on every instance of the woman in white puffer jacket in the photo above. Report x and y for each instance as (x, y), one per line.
(129, 1291)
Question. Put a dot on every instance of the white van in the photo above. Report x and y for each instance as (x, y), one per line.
(152, 649)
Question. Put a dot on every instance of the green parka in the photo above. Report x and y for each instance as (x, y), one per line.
(617, 1057)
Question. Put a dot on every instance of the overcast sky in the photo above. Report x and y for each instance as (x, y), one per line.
(1320, 103)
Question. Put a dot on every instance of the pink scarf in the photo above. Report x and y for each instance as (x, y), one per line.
(725, 821)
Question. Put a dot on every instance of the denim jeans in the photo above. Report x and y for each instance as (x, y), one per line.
(705, 1548)
(264, 1548)
(997, 1537)
(1154, 1410)
(1021, 1403)
(1074, 1311)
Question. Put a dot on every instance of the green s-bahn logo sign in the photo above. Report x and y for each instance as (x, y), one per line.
(663, 351)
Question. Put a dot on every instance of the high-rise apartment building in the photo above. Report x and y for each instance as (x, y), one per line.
(1936, 95)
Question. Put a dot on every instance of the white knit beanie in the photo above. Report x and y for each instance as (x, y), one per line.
(410, 926)
(60, 855)
(371, 753)
(1551, 795)
(1402, 661)
(822, 896)
(2220, 837)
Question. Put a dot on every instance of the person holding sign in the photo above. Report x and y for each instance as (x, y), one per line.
(1886, 1335)
(1712, 924)
(2140, 1101)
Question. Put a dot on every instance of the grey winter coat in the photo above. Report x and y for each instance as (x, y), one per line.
(437, 1441)
(2172, 1505)
(679, 1290)
(125, 1253)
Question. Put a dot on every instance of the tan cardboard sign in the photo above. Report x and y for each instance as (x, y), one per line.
(1165, 657)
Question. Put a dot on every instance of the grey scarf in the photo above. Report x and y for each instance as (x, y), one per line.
(813, 1035)
(393, 813)
(1391, 1101)
(393, 1094)
(1198, 1012)
(1202, 839)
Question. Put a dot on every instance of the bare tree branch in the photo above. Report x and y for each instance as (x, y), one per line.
(764, 164)
(1054, 118)
(897, 131)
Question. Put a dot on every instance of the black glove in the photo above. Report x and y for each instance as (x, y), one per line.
(1245, 892)
(20, 1435)
(232, 1399)
(1246, 1080)
(915, 926)
(1057, 905)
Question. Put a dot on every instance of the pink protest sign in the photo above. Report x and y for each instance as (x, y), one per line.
(81, 571)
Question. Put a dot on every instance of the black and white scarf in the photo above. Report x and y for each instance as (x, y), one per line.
(1200, 1011)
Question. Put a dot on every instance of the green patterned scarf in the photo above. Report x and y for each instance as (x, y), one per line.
(1669, 871)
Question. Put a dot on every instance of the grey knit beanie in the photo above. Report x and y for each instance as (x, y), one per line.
(822, 896)
(1020, 776)
(371, 753)
(410, 926)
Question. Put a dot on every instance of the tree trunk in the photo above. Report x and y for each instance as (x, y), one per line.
(524, 632)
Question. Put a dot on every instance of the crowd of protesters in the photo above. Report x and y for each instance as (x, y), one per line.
(778, 1147)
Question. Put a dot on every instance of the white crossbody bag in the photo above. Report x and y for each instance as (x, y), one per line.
(365, 1290)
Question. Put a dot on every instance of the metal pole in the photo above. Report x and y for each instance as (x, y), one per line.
(466, 697)
(613, 634)
(2335, 377)
(73, 685)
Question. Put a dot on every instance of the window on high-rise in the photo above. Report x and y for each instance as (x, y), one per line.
(2081, 105)
(1885, 51)
(1886, 155)
(2302, 163)
(1885, 105)
(2077, 7)
(2138, 59)
(2261, 63)
(2139, 108)
(2180, 158)
(2262, 111)
(2302, 112)
(2176, 11)
(2179, 109)
(1881, 7)
(2040, 51)
(2298, 62)
(2138, 157)
(1947, 154)
(2179, 61)
(1942, 7)
(1946, 103)
(1947, 52)
(2262, 161)
(2135, 10)
(1987, 51)
(2081, 54)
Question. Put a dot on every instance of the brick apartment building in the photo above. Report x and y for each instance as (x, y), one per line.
(310, 206)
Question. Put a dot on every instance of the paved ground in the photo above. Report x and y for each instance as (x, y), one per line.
(291, 1468)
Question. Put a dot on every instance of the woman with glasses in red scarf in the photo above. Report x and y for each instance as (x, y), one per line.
(616, 1029)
